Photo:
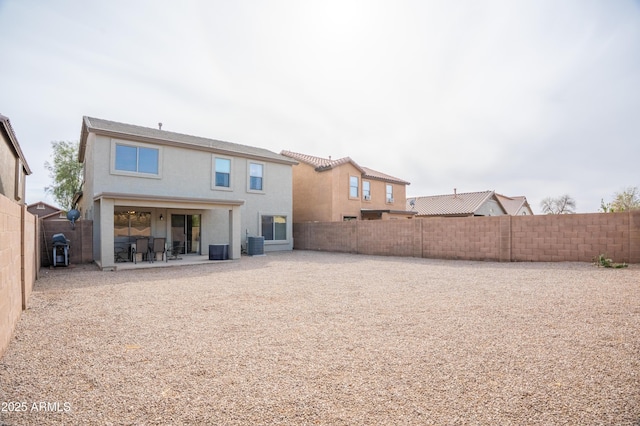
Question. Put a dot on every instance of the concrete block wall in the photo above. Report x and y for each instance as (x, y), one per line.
(577, 237)
(17, 265)
(30, 260)
(81, 240)
(387, 237)
(548, 238)
(468, 238)
(327, 236)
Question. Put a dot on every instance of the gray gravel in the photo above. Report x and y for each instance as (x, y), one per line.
(325, 338)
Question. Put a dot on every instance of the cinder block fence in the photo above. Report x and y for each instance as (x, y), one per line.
(18, 264)
(541, 238)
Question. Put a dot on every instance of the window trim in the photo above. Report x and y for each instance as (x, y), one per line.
(264, 172)
(367, 192)
(137, 145)
(213, 173)
(389, 200)
(357, 196)
(288, 230)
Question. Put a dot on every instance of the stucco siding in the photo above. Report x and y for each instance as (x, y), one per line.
(184, 184)
(311, 194)
(490, 208)
(7, 169)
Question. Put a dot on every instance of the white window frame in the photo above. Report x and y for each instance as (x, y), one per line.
(18, 191)
(114, 171)
(213, 173)
(366, 193)
(287, 228)
(264, 172)
(357, 196)
(387, 192)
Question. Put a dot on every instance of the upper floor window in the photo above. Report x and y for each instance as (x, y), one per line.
(366, 190)
(256, 176)
(389, 193)
(222, 172)
(137, 159)
(354, 184)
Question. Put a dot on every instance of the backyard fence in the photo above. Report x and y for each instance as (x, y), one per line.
(538, 238)
(80, 236)
(18, 264)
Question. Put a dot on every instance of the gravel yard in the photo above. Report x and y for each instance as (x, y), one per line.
(326, 338)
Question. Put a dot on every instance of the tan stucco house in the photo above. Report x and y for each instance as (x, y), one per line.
(326, 190)
(13, 165)
(192, 191)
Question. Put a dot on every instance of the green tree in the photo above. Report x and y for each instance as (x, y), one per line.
(66, 173)
(564, 204)
(628, 199)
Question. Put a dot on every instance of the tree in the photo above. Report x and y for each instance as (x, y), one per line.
(629, 199)
(66, 173)
(564, 204)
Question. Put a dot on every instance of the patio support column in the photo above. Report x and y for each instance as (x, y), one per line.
(235, 233)
(106, 233)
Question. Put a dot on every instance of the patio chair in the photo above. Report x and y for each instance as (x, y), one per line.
(176, 250)
(142, 247)
(159, 246)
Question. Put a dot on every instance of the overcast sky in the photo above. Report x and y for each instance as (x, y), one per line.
(535, 98)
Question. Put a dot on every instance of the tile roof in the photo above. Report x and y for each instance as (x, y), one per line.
(322, 164)
(115, 129)
(457, 204)
(11, 135)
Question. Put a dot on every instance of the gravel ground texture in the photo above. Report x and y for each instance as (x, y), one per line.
(306, 337)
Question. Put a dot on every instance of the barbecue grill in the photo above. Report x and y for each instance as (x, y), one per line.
(60, 250)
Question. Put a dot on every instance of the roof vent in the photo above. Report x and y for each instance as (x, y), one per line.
(455, 192)
(160, 126)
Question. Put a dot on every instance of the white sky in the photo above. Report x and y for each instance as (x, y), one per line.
(535, 98)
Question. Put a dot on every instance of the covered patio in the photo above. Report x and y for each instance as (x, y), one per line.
(185, 226)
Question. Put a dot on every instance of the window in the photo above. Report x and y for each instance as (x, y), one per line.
(131, 224)
(222, 172)
(389, 193)
(137, 159)
(366, 190)
(274, 228)
(353, 186)
(256, 173)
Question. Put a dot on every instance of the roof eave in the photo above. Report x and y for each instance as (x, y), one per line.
(14, 142)
(87, 128)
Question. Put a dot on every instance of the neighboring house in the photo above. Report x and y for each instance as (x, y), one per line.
(46, 211)
(13, 166)
(515, 206)
(193, 191)
(484, 203)
(326, 190)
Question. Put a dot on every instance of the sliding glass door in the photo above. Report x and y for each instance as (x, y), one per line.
(185, 233)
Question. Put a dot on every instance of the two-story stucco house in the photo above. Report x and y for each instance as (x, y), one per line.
(13, 166)
(326, 190)
(190, 190)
